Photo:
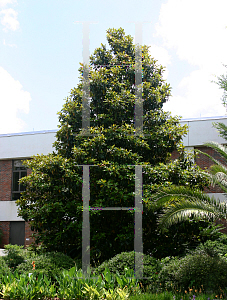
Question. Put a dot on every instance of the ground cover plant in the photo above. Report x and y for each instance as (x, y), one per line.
(70, 284)
(201, 273)
(4, 269)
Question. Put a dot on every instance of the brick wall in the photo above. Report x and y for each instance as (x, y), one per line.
(205, 163)
(28, 235)
(5, 227)
(175, 155)
(28, 232)
(5, 195)
(5, 180)
(202, 160)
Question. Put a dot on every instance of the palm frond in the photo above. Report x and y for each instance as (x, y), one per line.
(185, 209)
(180, 203)
(221, 178)
(218, 168)
(222, 150)
(222, 128)
(218, 175)
(213, 159)
(172, 194)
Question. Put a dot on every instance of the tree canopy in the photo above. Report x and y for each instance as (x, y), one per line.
(52, 201)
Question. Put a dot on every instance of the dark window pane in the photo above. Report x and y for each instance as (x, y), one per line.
(16, 196)
(22, 188)
(17, 233)
(19, 172)
(23, 174)
(15, 181)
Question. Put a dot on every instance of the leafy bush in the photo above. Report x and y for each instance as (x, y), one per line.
(151, 266)
(212, 248)
(50, 264)
(195, 270)
(4, 269)
(179, 238)
(167, 276)
(15, 255)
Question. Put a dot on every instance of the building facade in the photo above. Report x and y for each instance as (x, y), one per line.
(14, 148)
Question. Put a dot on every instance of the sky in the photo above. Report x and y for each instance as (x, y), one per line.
(41, 48)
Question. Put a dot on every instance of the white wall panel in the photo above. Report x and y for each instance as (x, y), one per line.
(218, 196)
(25, 145)
(201, 131)
(8, 211)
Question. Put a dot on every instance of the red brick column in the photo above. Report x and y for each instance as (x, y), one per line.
(175, 155)
(5, 227)
(28, 232)
(5, 195)
(5, 180)
(205, 162)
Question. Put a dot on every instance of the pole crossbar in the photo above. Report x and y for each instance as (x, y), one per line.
(138, 243)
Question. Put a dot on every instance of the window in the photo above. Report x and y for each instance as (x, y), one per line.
(17, 233)
(19, 171)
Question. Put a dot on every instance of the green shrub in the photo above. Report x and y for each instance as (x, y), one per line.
(15, 255)
(4, 269)
(167, 276)
(49, 264)
(212, 248)
(151, 266)
(195, 270)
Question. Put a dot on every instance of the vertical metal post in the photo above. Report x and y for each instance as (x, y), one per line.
(138, 233)
(86, 82)
(86, 221)
(138, 80)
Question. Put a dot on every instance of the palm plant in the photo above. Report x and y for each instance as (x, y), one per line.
(180, 203)
(218, 171)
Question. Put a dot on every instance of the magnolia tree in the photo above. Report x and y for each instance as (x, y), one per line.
(52, 202)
